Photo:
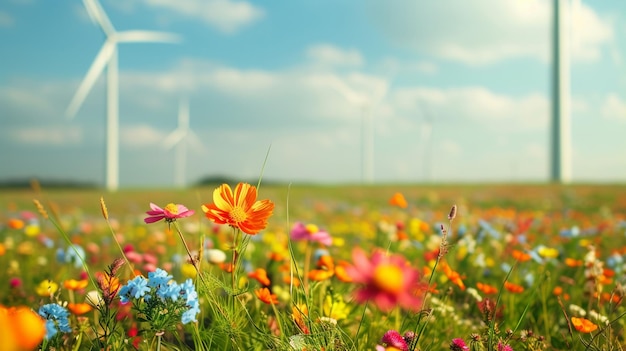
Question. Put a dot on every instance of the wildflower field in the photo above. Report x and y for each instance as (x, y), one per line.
(300, 267)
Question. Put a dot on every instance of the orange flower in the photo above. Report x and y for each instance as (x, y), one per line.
(340, 272)
(15, 223)
(264, 295)
(398, 200)
(583, 325)
(514, 288)
(520, 255)
(319, 275)
(239, 209)
(454, 276)
(300, 313)
(72, 284)
(20, 328)
(486, 288)
(260, 275)
(79, 308)
(571, 262)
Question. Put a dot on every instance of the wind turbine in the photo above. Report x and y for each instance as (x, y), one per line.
(560, 171)
(363, 102)
(179, 137)
(107, 57)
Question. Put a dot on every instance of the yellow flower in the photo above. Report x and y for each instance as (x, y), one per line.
(335, 307)
(547, 252)
(188, 270)
(46, 288)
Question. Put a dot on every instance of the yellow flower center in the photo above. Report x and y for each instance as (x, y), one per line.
(172, 208)
(388, 278)
(238, 215)
(312, 229)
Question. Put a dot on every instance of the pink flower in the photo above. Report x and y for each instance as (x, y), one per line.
(311, 232)
(170, 213)
(388, 281)
(394, 339)
(504, 347)
(458, 344)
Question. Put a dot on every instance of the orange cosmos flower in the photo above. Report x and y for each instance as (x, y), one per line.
(73, 284)
(260, 275)
(15, 223)
(514, 288)
(20, 328)
(486, 288)
(572, 262)
(398, 200)
(264, 295)
(240, 209)
(340, 272)
(79, 308)
(520, 255)
(583, 325)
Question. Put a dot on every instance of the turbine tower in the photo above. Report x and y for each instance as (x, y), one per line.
(107, 57)
(560, 167)
(179, 138)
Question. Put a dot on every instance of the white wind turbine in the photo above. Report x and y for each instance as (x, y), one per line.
(561, 158)
(107, 57)
(365, 103)
(179, 138)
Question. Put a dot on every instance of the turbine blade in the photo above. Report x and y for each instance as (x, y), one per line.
(95, 70)
(195, 141)
(174, 138)
(130, 36)
(97, 15)
(183, 114)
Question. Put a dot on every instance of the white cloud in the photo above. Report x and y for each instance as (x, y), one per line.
(589, 33)
(6, 20)
(330, 55)
(50, 135)
(477, 104)
(614, 108)
(227, 16)
(141, 135)
(395, 67)
(488, 31)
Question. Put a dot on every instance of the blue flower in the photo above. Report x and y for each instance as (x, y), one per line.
(73, 254)
(169, 291)
(56, 319)
(135, 288)
(158, 278)
(190, 314)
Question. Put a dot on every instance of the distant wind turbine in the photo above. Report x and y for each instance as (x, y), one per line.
(107, 57)
(560, 171)
(179, 138)
(364, 103)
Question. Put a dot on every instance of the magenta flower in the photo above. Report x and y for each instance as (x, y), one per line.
(393, 339)
(504, 347)
(387, 280)
(311, 232)
(170, 213)
(458, 344)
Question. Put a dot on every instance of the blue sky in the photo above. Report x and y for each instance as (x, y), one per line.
(456, 90)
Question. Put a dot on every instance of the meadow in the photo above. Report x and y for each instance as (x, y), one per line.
(314, 267)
